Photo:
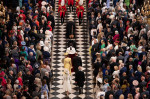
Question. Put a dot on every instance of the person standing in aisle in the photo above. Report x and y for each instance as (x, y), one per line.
(79, 11)
(62, 10)
(80, 79)
(70, 4)
(76, 62)
(66, 81)
(67, 63)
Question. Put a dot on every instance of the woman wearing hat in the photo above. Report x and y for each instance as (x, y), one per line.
(66, 81)
(67, 63)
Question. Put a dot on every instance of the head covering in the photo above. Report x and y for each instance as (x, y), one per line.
(23, 43)
(18, 9)
(2, 74)
(46, 48)
(43, 3)
(81, 2)
(48, 22)
(21, 11)
(128, 21)
(30, 8)
(47, 32)
(41, 43)
(116, 41)
(17, 81)
(62, 2)
(35, 17)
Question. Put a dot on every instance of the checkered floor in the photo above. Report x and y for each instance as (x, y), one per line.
(59, 48)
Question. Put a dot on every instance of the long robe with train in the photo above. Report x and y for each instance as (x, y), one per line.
(70, 29)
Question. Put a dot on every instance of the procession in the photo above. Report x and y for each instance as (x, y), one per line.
(74, 49)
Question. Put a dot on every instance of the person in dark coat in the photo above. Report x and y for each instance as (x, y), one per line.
(11, 77)
(93, 51)
(109, 92)
(46, 77)
(70, 29)
(77, 61)
(31, 58)
(79, 79)
(96, 66)
(120, 57)
(118, 93)
(51, 18)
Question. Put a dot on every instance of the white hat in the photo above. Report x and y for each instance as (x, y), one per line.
(43, 8)
(81, 2)
(17, 81)
(18, 9)
(104, 4)
(41, 43)
(62, 2)
(47, 32)
(48, 9)
(43, 3)
(46, 48)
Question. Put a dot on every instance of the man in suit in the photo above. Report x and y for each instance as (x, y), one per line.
(76, 62)
(79, 79)
(120, 57)
(70, 29)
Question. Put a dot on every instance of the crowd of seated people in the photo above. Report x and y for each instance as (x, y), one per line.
(25, 49)
(120, 51)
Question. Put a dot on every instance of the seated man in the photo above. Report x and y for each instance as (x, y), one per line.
(70, 29)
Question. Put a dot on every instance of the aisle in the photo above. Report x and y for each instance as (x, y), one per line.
(59, 48)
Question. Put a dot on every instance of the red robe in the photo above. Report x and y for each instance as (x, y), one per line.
(62, 10)
(39, 2)
(80, 9)
(3, 83)
(60, 2)
(49, 27)
(89, 3)
(116, 37)
(70, 2)
(19, 39)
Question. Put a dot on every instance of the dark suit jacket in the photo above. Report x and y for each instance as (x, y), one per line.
(76, 62)
(69, 28)
(51, 18)
(96, 68)
(80, 78)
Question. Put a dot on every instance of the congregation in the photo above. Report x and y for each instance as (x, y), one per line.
(26, 33)
(120, 51)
